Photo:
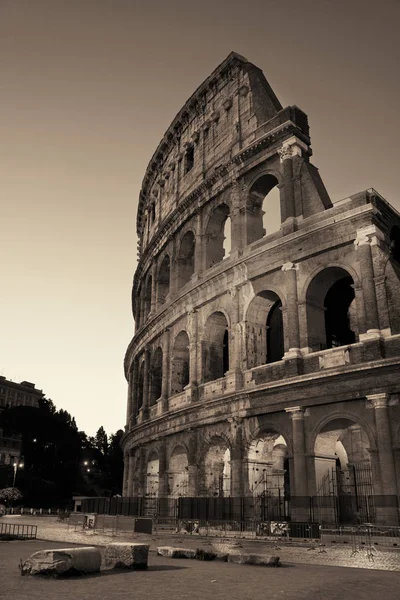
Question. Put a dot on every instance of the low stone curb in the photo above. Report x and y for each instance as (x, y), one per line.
(254, 559)
(237, 557)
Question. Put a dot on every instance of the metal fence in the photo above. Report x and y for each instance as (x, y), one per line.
(328, 511)
(16, 531)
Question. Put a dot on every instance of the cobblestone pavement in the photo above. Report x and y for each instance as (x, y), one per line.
(342, 556)
(174, 579)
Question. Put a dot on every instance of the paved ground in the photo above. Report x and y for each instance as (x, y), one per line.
(50, 529)
(172, 579)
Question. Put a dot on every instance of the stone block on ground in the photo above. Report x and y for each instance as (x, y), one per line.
(172, 552)
(254, 559)
(126, 555)
(63, 561)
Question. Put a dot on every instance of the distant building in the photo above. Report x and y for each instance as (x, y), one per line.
(15, 394)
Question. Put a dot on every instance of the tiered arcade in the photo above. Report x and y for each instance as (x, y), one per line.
(264, 357)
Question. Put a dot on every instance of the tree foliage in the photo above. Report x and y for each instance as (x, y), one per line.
(10, 495)
(55, 452)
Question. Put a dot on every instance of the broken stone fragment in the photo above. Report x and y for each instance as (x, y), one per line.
(63, 561)
(176, 552)
(126, 556)
(254, 559)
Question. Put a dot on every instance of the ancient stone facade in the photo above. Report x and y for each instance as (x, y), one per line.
(262, 367)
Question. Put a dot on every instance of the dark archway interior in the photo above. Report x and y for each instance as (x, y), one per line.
(215, 235)
(180, 363)
(140, 387)
(275, 344)
(257, 224)
(215, 347)
(337, 319)
(156, 376)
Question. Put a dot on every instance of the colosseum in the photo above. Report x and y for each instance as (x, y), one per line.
(265, 359)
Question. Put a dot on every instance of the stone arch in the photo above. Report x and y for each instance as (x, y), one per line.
(152, 473)
(180, 363)
(156, 373)
(178, 471)
(264, 329)
(344, 467)
(263, 212)
(185, 258)
(337, 415)
(215, 466)
(215, 347)
(331, 312)
(215, 234)
(163, 280)
(267, 466)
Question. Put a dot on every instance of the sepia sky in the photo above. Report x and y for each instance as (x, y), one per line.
(87, 89)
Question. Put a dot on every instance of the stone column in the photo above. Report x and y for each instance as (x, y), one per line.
(237, 218)
(237, 483)
(290, 269)
(363, 244)
(154, 288)
(384, 442)
(125, 477)
(198, 249)
(130, 399)
(162, 470)
(300, 499)
(129, 488)
(146, 386)
(165, 372)
(192, 467)
(387, 512)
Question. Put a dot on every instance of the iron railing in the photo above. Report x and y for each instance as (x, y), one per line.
(16, 531)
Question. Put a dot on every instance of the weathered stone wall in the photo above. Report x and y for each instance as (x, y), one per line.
(293, 334)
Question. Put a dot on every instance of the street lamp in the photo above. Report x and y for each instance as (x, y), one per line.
(16, 466)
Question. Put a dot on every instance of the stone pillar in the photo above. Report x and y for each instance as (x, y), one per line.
(154, 288)
(165, 372)
(292, 309)
(384, 442)
(146, 386)
(288, 187)
(129, 407)
(364, 255)
(134, 394)
(198, 249)
(386, 508)
(162, 471)
(237, 483)
(129, 487)
(192, 467)
(237, 218)
(300, 499)
(125, 476)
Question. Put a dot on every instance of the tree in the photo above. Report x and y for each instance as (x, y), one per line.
(10, 495)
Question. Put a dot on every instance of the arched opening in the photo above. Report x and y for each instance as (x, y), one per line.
(147, 297)
(215, 474)
(268, 476)
(186, 259)
(164, 275)
(216, 235)
(140, 387)
(264, 326)
(263, 212)
(227, 243)
(180, 363)
(343, 473)
(331, 310)
(215, 347)
(395, 243)
(152, 475)
(275, 344)
(156, 376)
(178, 473)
